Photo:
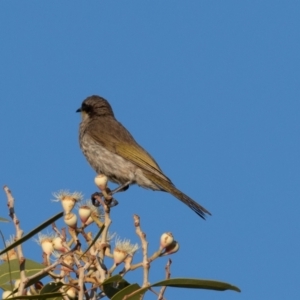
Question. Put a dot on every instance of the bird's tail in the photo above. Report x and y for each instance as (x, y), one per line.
(170, 188)
(196, 207)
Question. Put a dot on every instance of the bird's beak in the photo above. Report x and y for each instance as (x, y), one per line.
(78, 110)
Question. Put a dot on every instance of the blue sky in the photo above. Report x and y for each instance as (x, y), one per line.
(209, 88)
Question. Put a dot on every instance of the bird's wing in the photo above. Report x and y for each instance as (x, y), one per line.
(124, 145)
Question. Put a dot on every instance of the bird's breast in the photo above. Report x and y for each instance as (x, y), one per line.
(115, 167)
(103, 161)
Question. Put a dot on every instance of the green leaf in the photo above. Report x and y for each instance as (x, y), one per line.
(51, 289)
(31, 268)
(112, 279)
(6, 287)
(33, 232)
(197, 284)
(127, 291)
(113, 285)
(94, 241)
(3, 220)
(45, 296)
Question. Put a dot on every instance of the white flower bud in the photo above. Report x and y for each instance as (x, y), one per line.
(71, 220)
(7, 295)
(10, 255)
(72, 293)
(166, 239)
(47, 246)
(57, 244)
(68, 200)
(119, 256)
(84, 213)
(45, 241)
(172, 248)
(101, 181)
(68, 204)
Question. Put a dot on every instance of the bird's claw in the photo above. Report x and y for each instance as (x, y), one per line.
(94, 199)
(110, 202)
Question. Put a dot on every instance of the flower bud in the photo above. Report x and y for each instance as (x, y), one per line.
(7, 295)
(57, 244)
(119, 256)
(12, 254)
(172, 248)
(9, 255)
(72, 293)
(68, 203)
(68, 200)
(101, 181)
(47, 246)
(84, 213)
(166, 240)
(71, 220)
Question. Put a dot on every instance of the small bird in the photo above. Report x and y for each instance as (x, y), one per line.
(111, 150)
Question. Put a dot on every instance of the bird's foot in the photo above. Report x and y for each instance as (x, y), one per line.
(98, 197)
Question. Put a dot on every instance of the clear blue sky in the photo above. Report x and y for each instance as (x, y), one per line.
(209, 88)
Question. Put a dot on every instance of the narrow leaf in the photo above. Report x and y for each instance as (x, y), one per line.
(115, 278)
(33, 232)
(197, 284)
(3, 220)
(45, 296)
(113, 285)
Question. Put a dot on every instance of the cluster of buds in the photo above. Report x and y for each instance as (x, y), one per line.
(79, 267)
(11, 254)
(68, 201)
(87, 212)
(51, 244)
(31, 291)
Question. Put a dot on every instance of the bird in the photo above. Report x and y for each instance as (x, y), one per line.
(111, 150)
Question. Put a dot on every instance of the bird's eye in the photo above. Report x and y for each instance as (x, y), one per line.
(86, 108)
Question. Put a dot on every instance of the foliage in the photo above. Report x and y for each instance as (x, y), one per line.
(69, 272)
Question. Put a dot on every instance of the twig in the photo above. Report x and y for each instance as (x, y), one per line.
(145, 263)
(107, 222)
(19, 233)
(168, 275)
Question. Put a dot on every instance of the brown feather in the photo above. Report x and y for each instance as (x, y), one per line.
(170, 188)
(124, 145)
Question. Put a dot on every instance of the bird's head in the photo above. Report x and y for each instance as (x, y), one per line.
(95, 106)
